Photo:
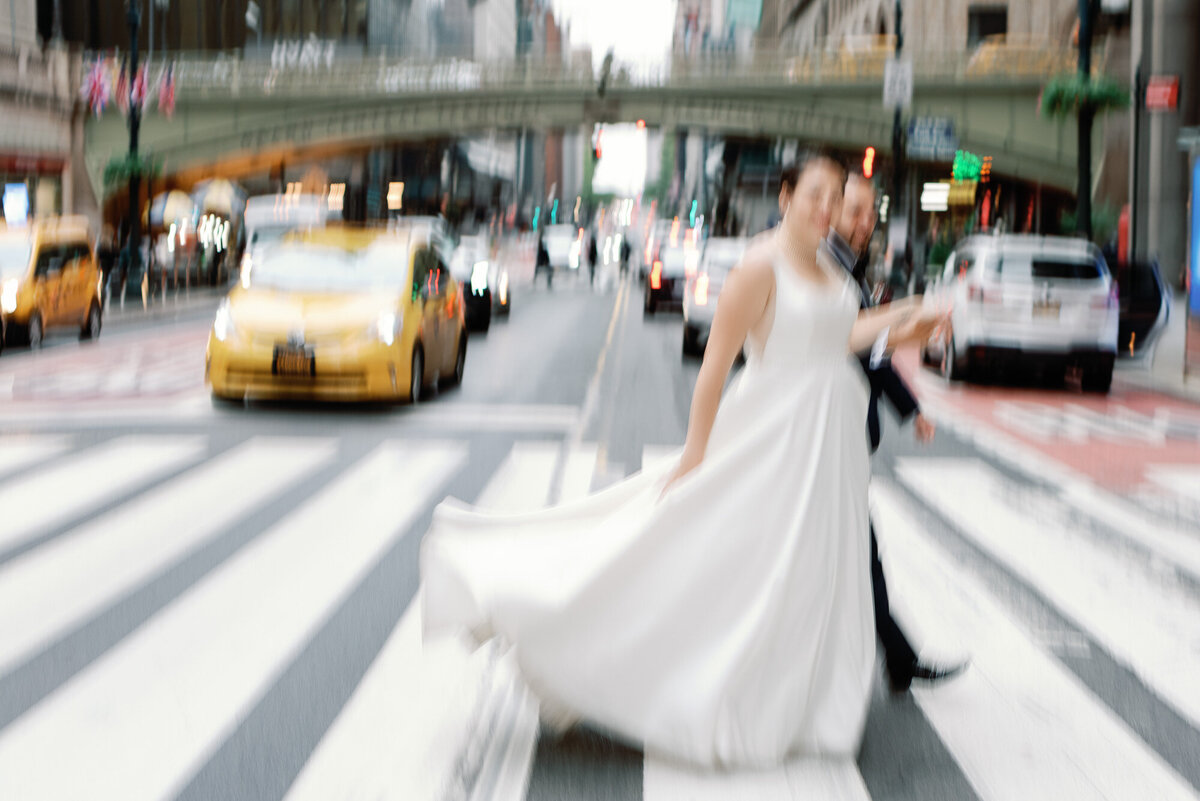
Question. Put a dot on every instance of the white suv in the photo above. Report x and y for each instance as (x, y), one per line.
(1027, 298)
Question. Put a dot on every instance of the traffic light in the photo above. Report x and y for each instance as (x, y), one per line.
(868, 162)
(596, 143)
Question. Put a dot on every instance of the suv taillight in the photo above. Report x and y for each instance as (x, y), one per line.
(656, 276)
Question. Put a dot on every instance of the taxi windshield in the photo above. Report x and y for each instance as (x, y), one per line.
(325, 268)
(14, 256)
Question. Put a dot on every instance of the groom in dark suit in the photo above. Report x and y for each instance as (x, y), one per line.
(849, 236)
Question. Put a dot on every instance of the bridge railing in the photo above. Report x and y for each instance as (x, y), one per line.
(329, 75)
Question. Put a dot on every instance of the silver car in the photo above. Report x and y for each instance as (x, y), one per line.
(1027, 299)
(719, 256)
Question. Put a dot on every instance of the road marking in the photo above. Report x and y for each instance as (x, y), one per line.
(48, 591)
(20, 451)
(47, 498)
(1018, 723)
(405, 730)
(139, 722)
(1146, 620)
(802, 778)
(522, 482)
(496, 417)
(578, 471)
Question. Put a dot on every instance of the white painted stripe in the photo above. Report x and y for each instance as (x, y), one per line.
(522, 482)
(803, 779)
(1181, 479)
(48, 591)
(654, 456)
(67, 489)
(578, 471)
(1140, 616)
(402, 733)
(139, 722)
(17, 452)
(1018, 723)
(1171, 542)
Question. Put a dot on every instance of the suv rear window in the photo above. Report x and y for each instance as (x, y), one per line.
(1020, 269)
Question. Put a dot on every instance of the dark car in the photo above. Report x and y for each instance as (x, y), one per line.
(1144, 305)
(669, 271)
(470, 266)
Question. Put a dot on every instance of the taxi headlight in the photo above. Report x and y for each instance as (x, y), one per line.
(8, 295)
(387, 327)
(479, 278)
(223, 324)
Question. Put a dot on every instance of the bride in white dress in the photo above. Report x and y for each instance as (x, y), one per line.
(717, 611)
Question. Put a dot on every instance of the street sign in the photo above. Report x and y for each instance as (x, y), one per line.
(1162, 93)
(897, 83)
(931, 139)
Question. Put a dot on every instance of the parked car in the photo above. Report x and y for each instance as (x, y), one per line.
(565, 245)
(340, 314)
(1025, 300)
(49, 278)
(703, 290)
(1145, 305)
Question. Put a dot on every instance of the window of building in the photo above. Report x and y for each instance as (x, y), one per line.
(985, 21)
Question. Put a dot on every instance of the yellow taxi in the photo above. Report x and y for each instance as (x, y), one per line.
(340, 313)
(49, 278)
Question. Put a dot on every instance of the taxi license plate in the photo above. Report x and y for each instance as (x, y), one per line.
(1047, 309)
(294, 362)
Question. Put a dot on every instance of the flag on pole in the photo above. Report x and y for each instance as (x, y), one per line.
(123, 88)
(166, 93)
(96, 88)
(139, 87)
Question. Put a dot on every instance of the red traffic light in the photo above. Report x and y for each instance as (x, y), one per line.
(869, 162)
(641, 123)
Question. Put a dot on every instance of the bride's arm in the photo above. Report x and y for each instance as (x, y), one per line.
(743, 301)
(905, 322)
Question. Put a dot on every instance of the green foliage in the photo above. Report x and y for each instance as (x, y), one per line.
(1064, 94)
(1104, 222)
(120, 169)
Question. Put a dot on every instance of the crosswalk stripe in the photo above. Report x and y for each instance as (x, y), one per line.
(17, 452)
(578, 471)
(402, 732)
(47, 591)
(1018, 723)
(65, 490)
(797, 780)
(1139, 617)
(139, 722)
(522, 482)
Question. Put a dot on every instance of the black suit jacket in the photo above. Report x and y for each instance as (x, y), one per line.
(883, 379)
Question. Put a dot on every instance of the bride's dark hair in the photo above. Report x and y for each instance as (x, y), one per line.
(790, 175)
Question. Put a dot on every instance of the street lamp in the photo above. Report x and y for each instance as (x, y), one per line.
(133, 18)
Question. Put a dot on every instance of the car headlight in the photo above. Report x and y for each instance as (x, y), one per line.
(479, 278)
(8, 295)
(387, 327)
(247, 265)
(223, 324)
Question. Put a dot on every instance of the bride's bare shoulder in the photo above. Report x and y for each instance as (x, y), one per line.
(757, 264)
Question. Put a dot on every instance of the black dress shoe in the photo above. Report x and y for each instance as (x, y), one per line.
(900, 679)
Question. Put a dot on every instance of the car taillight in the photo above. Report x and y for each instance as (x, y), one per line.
(702, 289)
(656, 276)
(977, 293)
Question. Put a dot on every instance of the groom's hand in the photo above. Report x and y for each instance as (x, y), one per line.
(923, 428)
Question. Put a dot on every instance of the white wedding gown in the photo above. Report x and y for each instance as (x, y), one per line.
(729, 623)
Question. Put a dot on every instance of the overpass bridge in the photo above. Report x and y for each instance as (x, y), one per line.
(246, 115)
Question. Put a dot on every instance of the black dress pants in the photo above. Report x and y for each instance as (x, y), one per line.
(897, 653)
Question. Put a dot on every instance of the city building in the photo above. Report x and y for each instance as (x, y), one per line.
(41, 137)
